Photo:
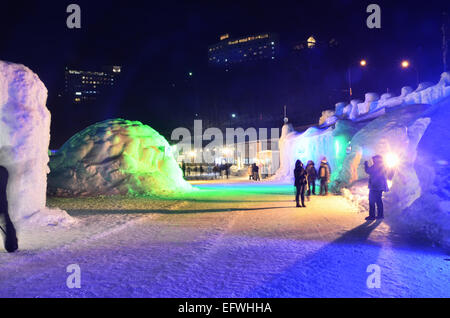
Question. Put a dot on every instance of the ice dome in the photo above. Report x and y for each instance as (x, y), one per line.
(24, 141)
(115, 157)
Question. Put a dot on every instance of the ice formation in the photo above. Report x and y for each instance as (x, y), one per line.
(414, 126)
(115, 157)
(24, 141)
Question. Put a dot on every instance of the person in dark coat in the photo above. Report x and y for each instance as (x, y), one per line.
(300, 181)
(312, 176)
(324, 176)
(216, 171)
(256, 173)
(378, 176)
(7, 227)
(183, 167)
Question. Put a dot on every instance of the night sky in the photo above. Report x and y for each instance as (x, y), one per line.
(158, 43)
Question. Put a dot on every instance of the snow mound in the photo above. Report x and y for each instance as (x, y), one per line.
(24, 141)
(115, 157)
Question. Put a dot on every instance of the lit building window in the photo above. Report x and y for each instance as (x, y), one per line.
(311, 42)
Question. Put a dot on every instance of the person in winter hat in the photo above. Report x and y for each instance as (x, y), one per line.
(312, 176)
(378, 175)
(324, 176)
(300, 181)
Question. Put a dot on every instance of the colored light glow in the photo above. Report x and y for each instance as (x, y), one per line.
(363, 62)
(148, 159)
(336, 147)
(405, 64)
(391, 160)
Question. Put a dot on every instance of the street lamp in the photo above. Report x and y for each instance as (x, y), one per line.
(362, 63)
(405, 64)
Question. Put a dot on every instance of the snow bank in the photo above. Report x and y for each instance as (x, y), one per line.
(24, 141)
(115, 157)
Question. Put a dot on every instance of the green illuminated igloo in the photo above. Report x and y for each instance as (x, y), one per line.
(115, 157)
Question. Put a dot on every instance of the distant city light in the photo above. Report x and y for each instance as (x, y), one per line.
(405, 64)
(190, 73)
(311, 42)
(363, 62)
(233, 115)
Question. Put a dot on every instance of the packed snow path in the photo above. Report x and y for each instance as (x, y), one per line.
(227, 240)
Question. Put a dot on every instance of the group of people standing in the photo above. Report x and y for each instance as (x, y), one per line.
(305, 179)
(199, 171)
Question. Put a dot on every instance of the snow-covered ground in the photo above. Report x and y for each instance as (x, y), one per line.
(229, 239)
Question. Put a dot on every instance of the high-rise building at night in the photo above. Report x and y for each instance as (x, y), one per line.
(83, 86)
(238, 50)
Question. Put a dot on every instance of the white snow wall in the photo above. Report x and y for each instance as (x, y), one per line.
(314, 144)
(24, 142)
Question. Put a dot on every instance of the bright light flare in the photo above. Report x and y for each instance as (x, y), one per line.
(391, 160)
(389, 184)
(363, 62)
